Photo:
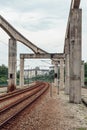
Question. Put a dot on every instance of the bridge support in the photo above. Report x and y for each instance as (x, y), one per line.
(21, 72)
(67, 74)
(56, 73)
(75, 56)
(12, 65)
(61, 86)
(82, 74)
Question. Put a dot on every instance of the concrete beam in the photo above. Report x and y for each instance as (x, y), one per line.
(43, 56)
(12, 32)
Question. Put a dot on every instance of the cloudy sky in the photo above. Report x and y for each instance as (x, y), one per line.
(41, 21)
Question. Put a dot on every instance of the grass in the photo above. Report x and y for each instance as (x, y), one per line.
(81, 128)
(86, 117)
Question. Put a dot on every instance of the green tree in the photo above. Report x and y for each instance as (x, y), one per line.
(85, 69)
(85, 66)
(3, 74)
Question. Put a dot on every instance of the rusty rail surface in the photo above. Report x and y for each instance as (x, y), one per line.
(17, 92)
(14, 102)
(22, 104)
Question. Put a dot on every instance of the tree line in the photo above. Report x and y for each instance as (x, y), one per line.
(85, 68)
(4, 75)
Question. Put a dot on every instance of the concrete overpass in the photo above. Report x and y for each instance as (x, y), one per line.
(17, 36)
(14, 34)
(72, 52)
(57, 58)
(12, 57)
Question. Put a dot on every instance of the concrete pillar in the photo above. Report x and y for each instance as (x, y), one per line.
(12, 58)
(75, 56)
(61, 86)
(82, 74)
(67, 74)
(56, 74)
(21, 72)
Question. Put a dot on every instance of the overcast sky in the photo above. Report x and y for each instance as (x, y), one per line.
(43, 22)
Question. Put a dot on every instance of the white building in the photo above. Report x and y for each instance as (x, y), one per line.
(29, 73)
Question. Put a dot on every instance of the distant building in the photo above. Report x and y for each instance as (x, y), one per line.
(29, 73)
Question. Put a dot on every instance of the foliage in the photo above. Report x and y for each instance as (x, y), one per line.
(81, 129)
(47, 77)
(18, 74)
(3, 74)
(3, 71)
(85, 67)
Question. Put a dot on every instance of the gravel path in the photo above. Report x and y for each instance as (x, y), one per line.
(52, 113)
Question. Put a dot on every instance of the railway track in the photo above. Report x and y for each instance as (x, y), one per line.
(14, 97)
(10, 111)
(15, 92)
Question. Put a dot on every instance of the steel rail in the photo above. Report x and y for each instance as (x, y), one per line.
(20, 100)
(36, 96)
(9, 95)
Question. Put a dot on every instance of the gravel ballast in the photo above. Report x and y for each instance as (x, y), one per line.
(52, 113)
